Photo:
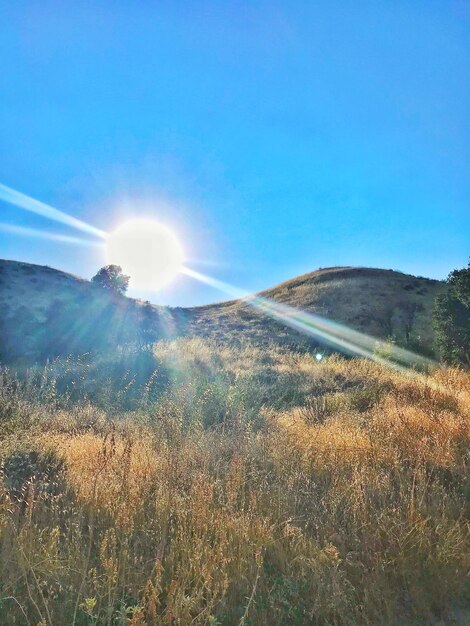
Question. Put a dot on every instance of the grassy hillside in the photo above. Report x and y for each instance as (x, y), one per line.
(381, 303)
(46, 313)
(256, 487)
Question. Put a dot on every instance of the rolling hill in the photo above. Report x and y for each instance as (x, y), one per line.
(380, 303)
(47, 312)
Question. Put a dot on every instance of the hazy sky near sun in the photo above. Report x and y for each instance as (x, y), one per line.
(273, 137)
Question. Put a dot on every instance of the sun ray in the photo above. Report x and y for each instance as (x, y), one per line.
(22, 201)
(208, 263)
(23, 231)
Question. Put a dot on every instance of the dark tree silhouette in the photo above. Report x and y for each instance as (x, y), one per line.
(451, 318)
(112, 279)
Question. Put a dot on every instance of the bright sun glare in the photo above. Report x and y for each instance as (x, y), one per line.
(147, 251)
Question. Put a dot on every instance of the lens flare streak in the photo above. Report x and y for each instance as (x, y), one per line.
(22, 201)
(44, 234)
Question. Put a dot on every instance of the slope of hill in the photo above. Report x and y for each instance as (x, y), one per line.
(381, 303)
(47, 313)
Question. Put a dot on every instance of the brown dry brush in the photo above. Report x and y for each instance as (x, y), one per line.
(257, 488)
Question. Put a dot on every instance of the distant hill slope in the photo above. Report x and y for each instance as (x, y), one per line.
(46, 313)
(381, 303)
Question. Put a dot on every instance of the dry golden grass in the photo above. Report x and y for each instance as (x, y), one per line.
(260, 487)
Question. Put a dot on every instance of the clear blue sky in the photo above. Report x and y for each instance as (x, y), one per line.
(275, 137)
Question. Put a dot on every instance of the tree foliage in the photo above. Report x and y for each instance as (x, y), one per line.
(110, 277)
(451, 318)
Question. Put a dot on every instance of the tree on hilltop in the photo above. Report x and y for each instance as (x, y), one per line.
(111, 278)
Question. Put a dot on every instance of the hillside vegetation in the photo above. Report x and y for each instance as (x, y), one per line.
(238, 485)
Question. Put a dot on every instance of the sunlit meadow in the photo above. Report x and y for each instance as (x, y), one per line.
(233, 486)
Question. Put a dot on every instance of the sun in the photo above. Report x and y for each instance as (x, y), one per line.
(147, 251)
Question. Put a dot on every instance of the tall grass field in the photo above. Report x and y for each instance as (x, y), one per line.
(207, 484)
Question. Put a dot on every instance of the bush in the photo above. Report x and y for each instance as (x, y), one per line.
(451, 318)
